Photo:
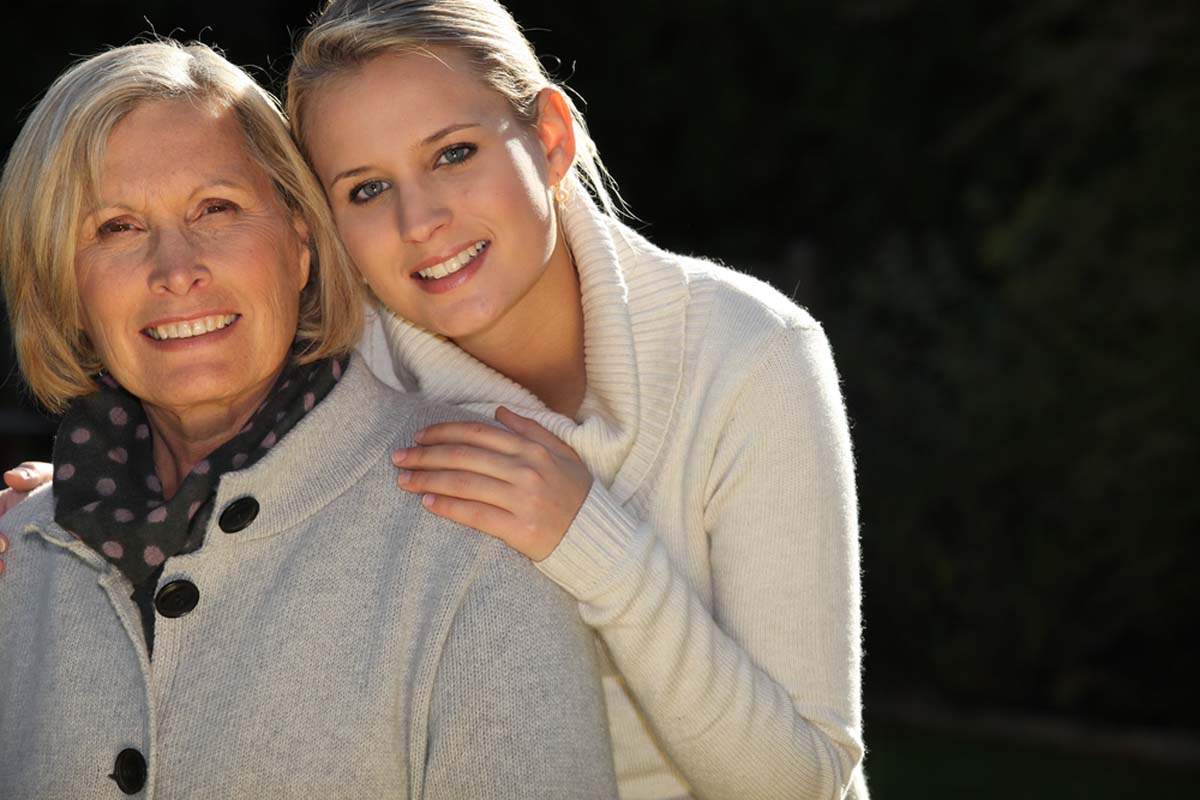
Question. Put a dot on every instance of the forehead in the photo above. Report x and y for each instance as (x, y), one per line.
(414, 90)
(173, 142)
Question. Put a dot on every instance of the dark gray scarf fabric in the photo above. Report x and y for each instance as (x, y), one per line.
(106, 490)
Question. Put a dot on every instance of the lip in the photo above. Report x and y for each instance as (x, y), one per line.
(212, 337)
(455, 280)
(189, 318)
(432, 260)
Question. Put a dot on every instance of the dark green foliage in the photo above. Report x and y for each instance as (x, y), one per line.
(993, 207)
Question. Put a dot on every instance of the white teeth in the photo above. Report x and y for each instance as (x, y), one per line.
(454, 263)
(186, 330)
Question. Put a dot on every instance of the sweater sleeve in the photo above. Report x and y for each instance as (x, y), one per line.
(759, 695)
(517, 709)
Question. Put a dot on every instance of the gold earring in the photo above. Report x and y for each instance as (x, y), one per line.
(560, 194)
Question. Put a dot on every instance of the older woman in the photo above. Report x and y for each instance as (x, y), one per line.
(223, 595)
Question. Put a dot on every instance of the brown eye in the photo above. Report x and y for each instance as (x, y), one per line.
(218, 206)
(114, 226)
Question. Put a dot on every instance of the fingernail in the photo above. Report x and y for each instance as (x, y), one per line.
(24, 473)
(419, 436)
(404, 477)
(399, 456)
(427, 501)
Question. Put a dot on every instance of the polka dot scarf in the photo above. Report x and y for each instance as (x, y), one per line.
(105, 487)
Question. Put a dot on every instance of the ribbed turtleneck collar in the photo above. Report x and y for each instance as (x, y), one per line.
(634, 308)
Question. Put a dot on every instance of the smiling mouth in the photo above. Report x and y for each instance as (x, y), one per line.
(191, 329)
(454, 263)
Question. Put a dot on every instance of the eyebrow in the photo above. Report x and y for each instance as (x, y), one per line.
(428, 140)
(217, 181)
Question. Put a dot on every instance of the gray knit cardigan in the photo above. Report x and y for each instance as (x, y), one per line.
(347, 644)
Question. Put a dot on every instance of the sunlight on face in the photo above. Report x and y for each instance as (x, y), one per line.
(190, 273)
(441, 195)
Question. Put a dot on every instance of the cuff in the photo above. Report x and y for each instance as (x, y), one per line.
(594, 546)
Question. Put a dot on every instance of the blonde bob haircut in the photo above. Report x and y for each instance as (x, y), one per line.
(52, 179)
(348, 33)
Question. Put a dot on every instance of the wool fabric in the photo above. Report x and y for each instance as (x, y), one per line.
(346, 644)
(716, 555)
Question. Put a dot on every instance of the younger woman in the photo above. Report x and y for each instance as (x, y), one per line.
(708, 524)
(674, 450)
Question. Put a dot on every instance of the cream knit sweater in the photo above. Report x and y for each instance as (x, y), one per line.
(716, 556)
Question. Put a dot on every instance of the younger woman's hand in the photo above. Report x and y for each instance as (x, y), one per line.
(21, 480)
(522, 485)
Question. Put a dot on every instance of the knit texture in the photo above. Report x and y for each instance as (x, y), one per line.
(716, 555)
(347, 644)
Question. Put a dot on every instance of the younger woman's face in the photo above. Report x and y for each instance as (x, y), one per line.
(442, 196)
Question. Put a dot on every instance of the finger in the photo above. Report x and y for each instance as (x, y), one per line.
(461, 485)
(480, 516)
(534, 431)
(9, 498)
(479, 434)
(462, 457)
(29, 475)
(3, 542)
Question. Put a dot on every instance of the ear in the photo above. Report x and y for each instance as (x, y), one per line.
(556, 130)
(305, 240)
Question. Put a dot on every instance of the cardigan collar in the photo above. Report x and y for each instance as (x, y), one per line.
(634, 309)
(328, 451)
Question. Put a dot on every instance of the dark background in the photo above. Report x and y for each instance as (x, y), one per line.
(993, 207)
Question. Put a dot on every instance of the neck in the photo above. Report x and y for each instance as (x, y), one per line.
(539, 343)
(184, 437)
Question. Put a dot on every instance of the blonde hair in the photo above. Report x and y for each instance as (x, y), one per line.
(53, 176)
(348, 33)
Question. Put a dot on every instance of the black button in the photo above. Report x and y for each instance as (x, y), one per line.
(130, 771)
(177, 598)
(239, 514)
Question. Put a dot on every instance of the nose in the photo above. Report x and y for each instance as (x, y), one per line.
(178, 265)
(420, 214)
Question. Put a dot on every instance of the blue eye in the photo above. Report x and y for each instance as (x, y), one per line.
(367, 191)
(456, 154)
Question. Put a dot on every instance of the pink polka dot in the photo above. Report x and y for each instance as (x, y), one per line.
(202, 467)
(153, 483)
(65, 472)
(153, 556)
(112, 549)
(142, 432)
(286, 384)
(157, 515)
(268, 440)
(80, 435)
(246, 428)
(193, 508)
(337, 371)
(105, 487)
(108, 381)
(239, 460)
(310, 400)
(92, 506)
(118, 416)
(123, 515)
(119, 455)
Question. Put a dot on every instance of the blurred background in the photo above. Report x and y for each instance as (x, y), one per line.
(994, 209)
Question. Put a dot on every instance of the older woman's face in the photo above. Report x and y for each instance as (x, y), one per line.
(190, 273)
